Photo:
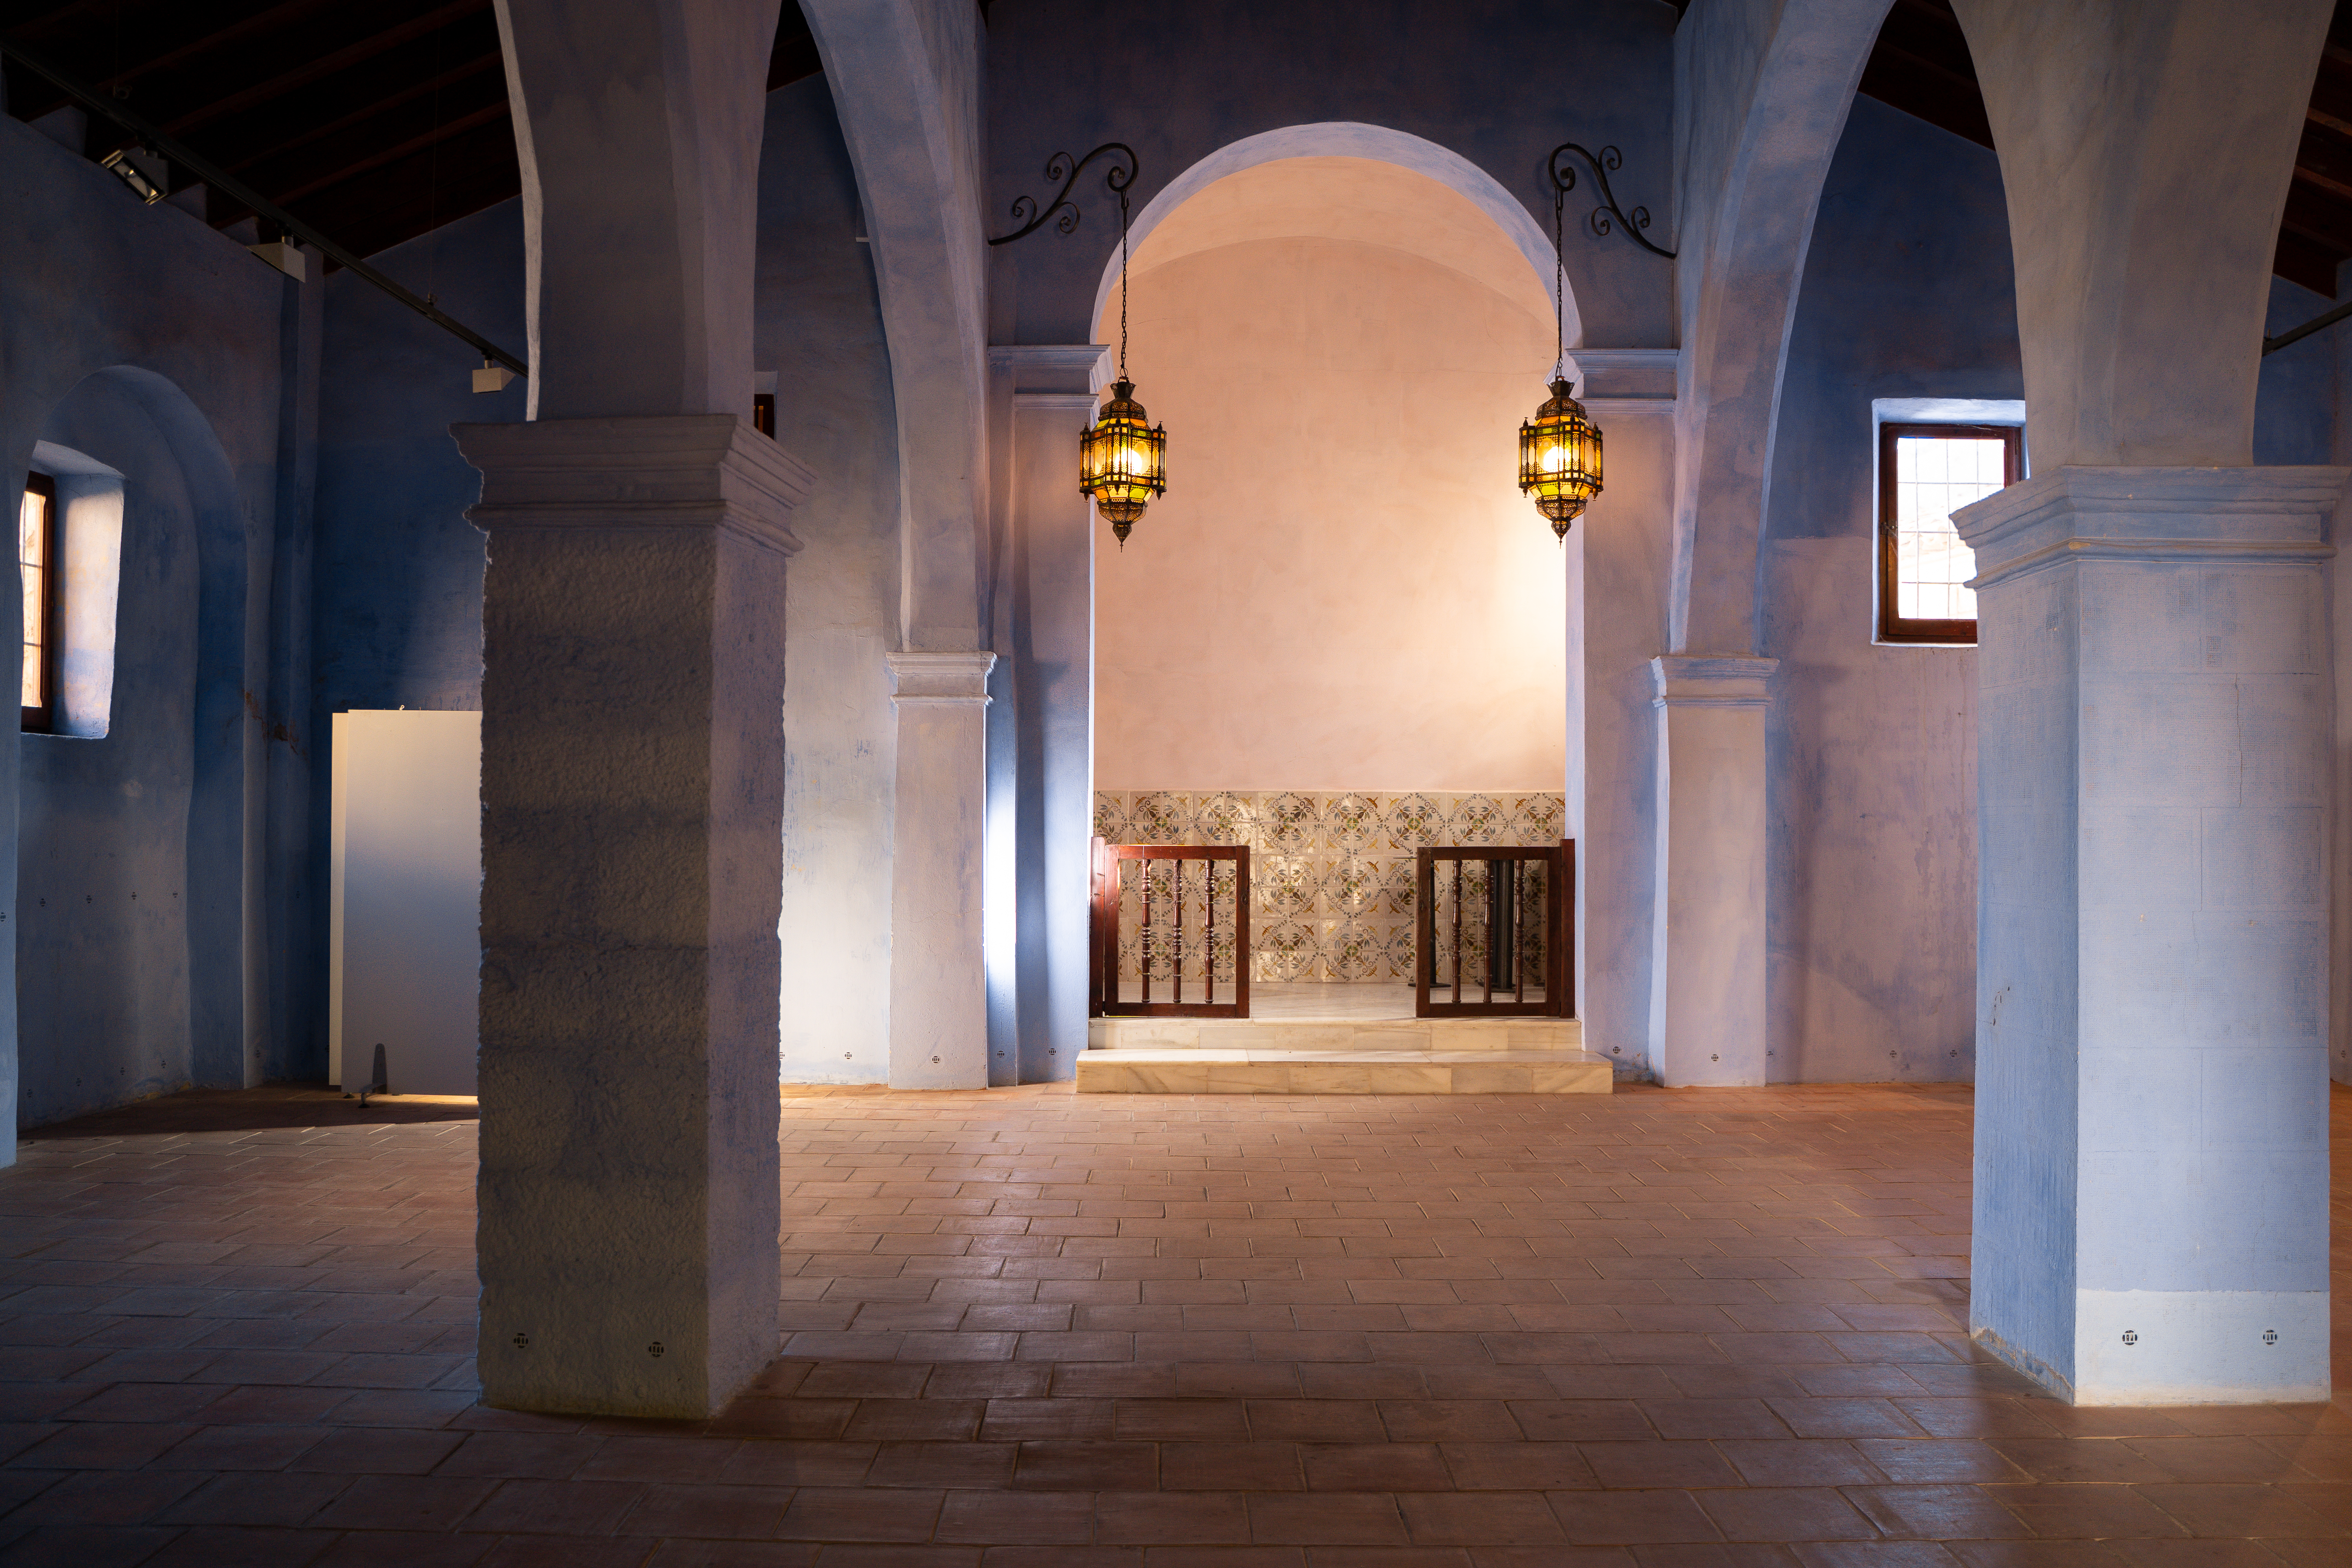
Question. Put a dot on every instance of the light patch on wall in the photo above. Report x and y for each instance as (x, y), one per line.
(89, 546)
(1342, 587)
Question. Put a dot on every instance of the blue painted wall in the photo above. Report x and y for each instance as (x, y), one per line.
(1908, 293)
(190, 332)
(398, 595)
(1872, 903)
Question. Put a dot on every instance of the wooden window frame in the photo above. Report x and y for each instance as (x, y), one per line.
(1894, 627)
(42, 720)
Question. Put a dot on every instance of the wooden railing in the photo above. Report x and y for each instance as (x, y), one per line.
(1187, 906)
(1502, 924)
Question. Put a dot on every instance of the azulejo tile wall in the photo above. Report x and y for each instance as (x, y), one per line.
(1330, 871)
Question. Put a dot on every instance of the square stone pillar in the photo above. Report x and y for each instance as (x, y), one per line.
(1707, 987)
(632, 822)
(2153, 775)
(939, 973)
(1045, 604)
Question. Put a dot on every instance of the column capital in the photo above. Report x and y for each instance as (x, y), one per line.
(2236, 516)
(1710, 680)
(686, 471)
(932, 678)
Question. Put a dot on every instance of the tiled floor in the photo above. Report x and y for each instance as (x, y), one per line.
(1032, 1330)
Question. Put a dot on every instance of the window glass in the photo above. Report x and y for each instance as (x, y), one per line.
(36, 538)
(1928, 472)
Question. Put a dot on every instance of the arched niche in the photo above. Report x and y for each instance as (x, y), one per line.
(1368, 143)
(1343, 589)
(138, 960)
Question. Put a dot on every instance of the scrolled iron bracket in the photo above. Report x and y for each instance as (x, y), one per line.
(1563, 180)
(1119, 179)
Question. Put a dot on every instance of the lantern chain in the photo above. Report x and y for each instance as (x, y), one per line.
(1558, 275)
(1122, 283)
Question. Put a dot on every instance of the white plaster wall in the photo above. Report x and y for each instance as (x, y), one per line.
(1343, 588)
(405, 912)
(819, 328)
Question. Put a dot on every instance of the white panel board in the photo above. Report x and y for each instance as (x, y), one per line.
(404, 924)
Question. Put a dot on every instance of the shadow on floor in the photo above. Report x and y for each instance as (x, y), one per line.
(271, 1107)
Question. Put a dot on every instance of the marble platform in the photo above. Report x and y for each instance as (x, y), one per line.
(1338, 1039)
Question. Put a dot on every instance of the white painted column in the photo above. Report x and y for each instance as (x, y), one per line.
(1045, 632)
(939, 975)
(632, 863)
(1617, 559)
(1707, 997)
(2153, 781)
(632, 729)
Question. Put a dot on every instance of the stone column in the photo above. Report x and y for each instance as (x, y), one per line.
(1707, 989)
(2153, 777)
(1045, 630)
(632, 822)
(938, 981)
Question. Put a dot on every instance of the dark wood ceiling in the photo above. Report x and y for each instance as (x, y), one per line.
(373, 121)
(378, 121)
(1921, 66)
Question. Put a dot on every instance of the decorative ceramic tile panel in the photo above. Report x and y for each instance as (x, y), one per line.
(1331, 885)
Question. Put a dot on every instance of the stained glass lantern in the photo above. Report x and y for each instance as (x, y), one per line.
(1123, 459)
(1559, 459)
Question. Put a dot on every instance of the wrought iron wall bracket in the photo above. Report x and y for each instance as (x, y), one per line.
(1119, 179)
(1563, 180)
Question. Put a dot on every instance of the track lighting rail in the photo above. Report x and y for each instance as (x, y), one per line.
(219, 179)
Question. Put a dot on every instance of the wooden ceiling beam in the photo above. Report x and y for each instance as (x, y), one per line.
(312, 69)
(329, 108)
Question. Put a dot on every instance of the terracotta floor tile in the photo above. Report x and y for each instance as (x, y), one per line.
(1658, 1464)
(1231, 1466)
(557, 1508)
(1631, 1518)
(1935, 1512)
(1008, 1518)
(1157, 1518)
(1481, 1519)
(1124, 1333)
(1087, 1466)
(1766, 1514)
(1327, 1519)
(403, 1502)
(1441, 1420)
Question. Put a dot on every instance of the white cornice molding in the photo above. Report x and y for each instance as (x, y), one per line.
(921, 679)
(1051, 367)
(2250, 515)
(1711, 680)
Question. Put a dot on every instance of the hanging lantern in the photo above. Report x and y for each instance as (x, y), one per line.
(1123, 459)
(1559, 459)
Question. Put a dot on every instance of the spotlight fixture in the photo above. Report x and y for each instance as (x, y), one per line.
(1122, 456)
(145, 172)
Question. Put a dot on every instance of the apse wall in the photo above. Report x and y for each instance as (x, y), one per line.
(1342, 588)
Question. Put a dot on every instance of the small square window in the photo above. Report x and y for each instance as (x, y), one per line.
(37, 570)
(1926, 472)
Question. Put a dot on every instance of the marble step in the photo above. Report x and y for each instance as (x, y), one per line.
(1357, 1035)
(1197, 1070)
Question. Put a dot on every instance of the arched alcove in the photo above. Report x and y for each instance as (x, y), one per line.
(135, 853)
(1342, 602)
